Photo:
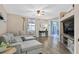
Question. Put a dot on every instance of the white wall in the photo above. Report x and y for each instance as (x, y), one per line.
(3, 24)
(76, 13)
(37, 27)
(15, 24)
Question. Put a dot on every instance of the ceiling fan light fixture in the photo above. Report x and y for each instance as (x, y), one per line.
(38, 11)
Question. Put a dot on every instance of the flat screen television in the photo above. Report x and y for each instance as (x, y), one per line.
(68, 26)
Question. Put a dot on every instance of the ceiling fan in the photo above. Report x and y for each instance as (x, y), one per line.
(39, 12)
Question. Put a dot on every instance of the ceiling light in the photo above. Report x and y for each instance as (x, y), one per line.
(39, 12)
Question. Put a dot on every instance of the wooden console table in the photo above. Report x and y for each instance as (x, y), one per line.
(10, 50)
(41, 32)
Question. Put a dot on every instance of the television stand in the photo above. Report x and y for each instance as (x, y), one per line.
(65, 38)
(68, 42)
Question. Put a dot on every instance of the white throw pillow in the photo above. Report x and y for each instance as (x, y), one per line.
(9, 37)
(6, 38)
(18, 39)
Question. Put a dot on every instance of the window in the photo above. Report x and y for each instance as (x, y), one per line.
(31, 25)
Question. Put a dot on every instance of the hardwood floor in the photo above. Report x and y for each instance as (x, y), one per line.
(52, 46)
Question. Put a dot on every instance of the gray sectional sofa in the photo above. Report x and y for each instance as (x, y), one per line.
(24, 46)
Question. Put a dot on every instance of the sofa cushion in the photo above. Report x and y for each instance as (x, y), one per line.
(6, 38)
(23, 39)
(30, 45)
(18, 39)
(9, 37)
(26, 38)
(29, 37)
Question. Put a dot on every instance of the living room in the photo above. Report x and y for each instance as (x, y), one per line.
(38, 28)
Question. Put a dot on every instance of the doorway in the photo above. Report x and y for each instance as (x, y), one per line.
(55, 29)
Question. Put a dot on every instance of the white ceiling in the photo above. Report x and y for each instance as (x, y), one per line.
(29, 10)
